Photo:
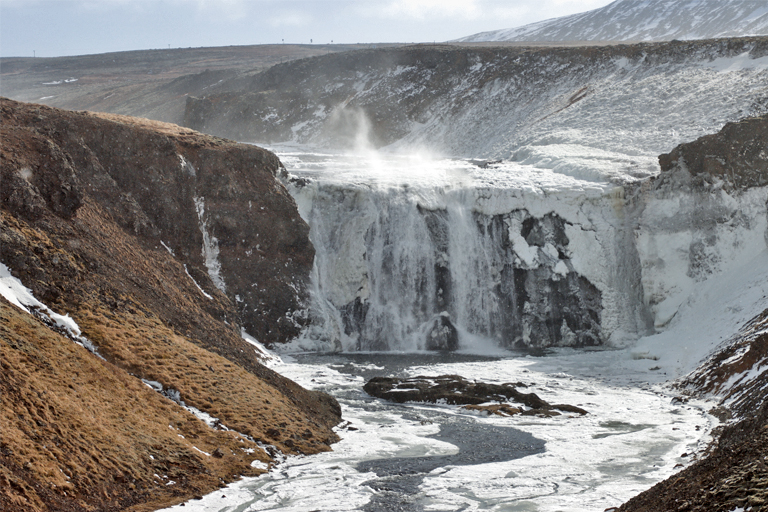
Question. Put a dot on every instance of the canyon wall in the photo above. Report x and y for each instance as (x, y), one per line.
(541, 106)
(574, 233)
(164, 246)
(464, 255)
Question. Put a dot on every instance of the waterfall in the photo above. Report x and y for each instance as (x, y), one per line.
(420, 262)
(437, 254)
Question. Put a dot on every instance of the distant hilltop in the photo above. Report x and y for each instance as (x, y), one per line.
(645, 20)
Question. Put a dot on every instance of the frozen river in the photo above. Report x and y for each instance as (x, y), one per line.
(444, 458)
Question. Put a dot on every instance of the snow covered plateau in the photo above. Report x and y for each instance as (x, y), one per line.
(645, 20)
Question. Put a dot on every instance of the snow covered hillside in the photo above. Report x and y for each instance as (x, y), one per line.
(645, 20)
(588, 112)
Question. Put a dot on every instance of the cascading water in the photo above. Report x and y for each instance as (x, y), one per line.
(445, 255)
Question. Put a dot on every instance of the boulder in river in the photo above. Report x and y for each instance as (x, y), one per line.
(456, 390)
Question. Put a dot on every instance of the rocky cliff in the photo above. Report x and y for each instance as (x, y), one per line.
(161, 244)
(733, 474)
(213, 205)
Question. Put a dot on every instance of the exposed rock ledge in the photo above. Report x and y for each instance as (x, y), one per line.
(106, 218)
(456, 390)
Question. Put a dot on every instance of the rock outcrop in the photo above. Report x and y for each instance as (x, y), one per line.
(456, 390)
(735, 158)
(214, 205)
(161, 243)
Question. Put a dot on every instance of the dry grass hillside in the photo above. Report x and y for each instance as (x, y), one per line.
(81, 228)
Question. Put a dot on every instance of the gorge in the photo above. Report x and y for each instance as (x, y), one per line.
(590, 219)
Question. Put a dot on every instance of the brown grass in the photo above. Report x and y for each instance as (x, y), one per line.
(81, 434)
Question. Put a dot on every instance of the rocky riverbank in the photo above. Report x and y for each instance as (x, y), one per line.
(456, 390)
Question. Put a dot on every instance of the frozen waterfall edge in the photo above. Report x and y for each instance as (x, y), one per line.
(441, 267)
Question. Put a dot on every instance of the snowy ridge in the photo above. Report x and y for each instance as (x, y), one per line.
(592, 114)
(645, 20)
(595, 118)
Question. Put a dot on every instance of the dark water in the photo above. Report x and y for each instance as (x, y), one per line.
(399, 478)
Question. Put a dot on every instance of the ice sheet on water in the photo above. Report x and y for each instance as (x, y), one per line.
(633, 437)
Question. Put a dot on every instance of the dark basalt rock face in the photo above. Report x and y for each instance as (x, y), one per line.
(180, 189)
(536, 297)
(735, 158)
(443, 336)
(551, 308)
(539, 306)
(456, 390)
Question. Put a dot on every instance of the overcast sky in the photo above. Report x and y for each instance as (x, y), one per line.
(51, 28)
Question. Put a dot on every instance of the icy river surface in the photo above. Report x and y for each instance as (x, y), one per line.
(439, 457)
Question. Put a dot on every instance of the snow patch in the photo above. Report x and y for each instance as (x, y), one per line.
(737, 63)
(20, 296)
(206, 295)
(268, 358)
(170, 251)
(186, 166)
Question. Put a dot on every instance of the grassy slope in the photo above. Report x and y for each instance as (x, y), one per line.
(81, 433)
